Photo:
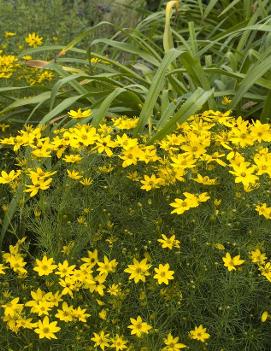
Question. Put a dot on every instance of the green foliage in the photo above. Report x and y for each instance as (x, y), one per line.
(224, 51)
(58, 20)
(120, 218)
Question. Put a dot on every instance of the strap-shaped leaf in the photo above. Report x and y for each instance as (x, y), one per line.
(101, 112)
(255, 73)
(155, 88)
(192, 105)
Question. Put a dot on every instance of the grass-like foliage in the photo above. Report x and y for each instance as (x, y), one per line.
(188, 49)
(116, 242)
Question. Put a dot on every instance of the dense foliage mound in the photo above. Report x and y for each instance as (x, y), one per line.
(113, 242)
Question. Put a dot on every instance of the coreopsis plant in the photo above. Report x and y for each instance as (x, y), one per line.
(110, 241)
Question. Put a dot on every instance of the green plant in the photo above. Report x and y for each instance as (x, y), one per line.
(100, 211)
(172, 56)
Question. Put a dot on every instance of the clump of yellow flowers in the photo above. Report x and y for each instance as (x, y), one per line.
(113, 242)
(18, 67)
(48, 309)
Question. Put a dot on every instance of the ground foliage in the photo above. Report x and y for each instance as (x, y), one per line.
(194, 205)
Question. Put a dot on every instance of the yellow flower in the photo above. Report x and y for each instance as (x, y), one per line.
(245, 175)
(41, 302)
(103, 314)
(101, 339)
(138, 270)
(258, 257)
(72, 158)
(94, 60)
(80, 314)
(130, 156)
(138, 327)
(232, 262)
(74, 174)
(172, 344)
(226, 100)
(66, 313)
(263, 210)
(44, 266)
(6, 178)
(79, 113)
(219, 246)
(205, 180)
(46, 329)
(67, 248)
(64, 269)
(37, 185)
(8, 35)
(163, 274)
(27, 57)
(2, 269)
(118, 343)
(92, 258)
(86, 181)
(114, 290)
(104, 144)
(68, 284)
(125, 122)
(265, 315)
(150, 183)
(199, 333)
(107, 266)
(181, 206)
(33, 40)
(169, 242)
(266, 271)
(13, 308)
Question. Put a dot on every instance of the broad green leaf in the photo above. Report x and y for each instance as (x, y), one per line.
(128, 48)
(266, 111)
(59, 84)
(32, 100)
(155, 88)
(47, 48)
(229, 7)
(62, 106)
(101, 112)
(209, 8)
(193, 105)
(3, 90)
(81, 36)
(255, 73)
(13, 206)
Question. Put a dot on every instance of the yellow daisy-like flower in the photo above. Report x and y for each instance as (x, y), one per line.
(46, 329)
(79, 113)
(232, 262)
(172, 344)
(265, 315)
(138, 327)
(34, 40)
(118, 343)
(199, 333)
(169, 242)
(163, 274)
(45, 266)
(101, 339)
(138, 270)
